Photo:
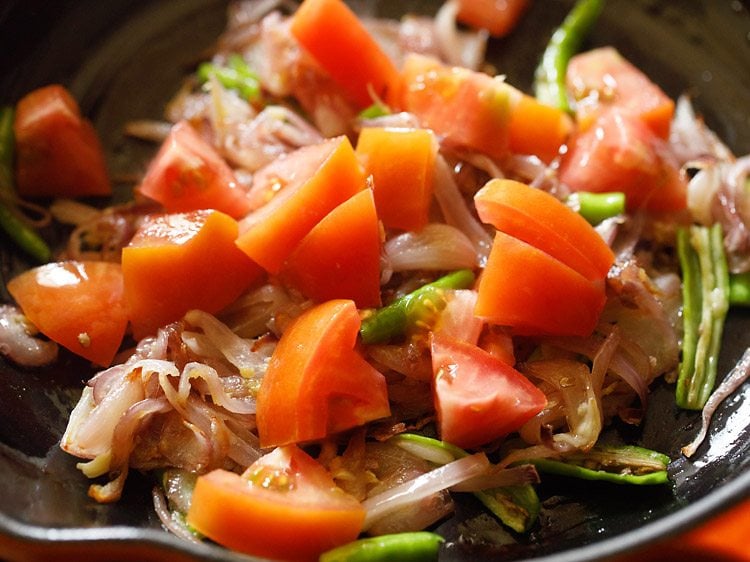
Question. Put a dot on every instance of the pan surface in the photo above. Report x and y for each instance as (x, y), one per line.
(123, 59)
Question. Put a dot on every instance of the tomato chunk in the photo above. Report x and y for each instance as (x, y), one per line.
(540, 219)
(341, 44)
(620, 153)
(79, 305)
(340, 257)
(538, 129)
(478, 398)
(285, 506)
(602, 78)
(300, 189)
(188, 174)
(530, 291)
(317, 384)
(182, 261)
(401, 163)
(58, 153)
(499, 18)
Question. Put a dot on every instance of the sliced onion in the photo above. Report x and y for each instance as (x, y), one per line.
(499, 478)
(18, 343)
(466, 50)
(457, 319)
(148, 129)
(437, 247)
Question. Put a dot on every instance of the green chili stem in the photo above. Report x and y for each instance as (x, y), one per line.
(549, 79)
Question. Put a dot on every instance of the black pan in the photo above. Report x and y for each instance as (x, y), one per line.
(123, 58)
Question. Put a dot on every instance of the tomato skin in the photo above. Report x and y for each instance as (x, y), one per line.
(340, 257)
(182, 261)
(285, 506)
(317, 384)
(531, 292)
(188, 174)
(540, 219)
(620, 153)
(478, 398)
(499, 18)
(58, 153)
(79, 305)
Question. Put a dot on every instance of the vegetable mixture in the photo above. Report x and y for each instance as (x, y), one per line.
(363, 274)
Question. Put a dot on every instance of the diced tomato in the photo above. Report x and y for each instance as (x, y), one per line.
(285, 506)
(478, 398)
(180, 262)
(300, 189)
(498, 17)
(538, 129)
(401, 163)
(470, 109)
(188, 174)
(540, 219)
(528, 290)
(602, 78)
(457, 319)
(316, 383)
(79, 305)
(498, 342)
(340, 257)
(341, 44)
(58, 153)
(620, 153)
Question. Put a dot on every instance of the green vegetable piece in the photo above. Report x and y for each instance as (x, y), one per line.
(739, 289)
(705, 293)
(420, 546)
(25, 237)
(412, 310)
(595, 207)
(378, 109)
(516, 507)
(237, 75)
(549, 78)
(619, 465)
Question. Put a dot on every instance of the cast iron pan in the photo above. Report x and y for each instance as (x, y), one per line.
(123, 58)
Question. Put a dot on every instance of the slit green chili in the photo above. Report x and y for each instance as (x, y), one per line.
(416, 546)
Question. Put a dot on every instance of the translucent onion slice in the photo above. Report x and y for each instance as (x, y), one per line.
(437, 247)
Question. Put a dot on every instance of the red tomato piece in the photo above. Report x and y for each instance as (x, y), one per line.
(542, 220)
(470, 109)
(188, 174)
(497, 17)
(300, 189)
(285, 506)
(316, 383)
(180, 262)
(620, 153)
(341, 44)
(58, 153)
(79, 305)
(602, 78)
(526, 289)
(538, 129)
(340, 257)
(402, 164)
(478, 398)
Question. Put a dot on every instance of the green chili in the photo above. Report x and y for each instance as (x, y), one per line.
(377, 109)
(739, 289)
(10, 220)
(595, 207)
(619, 465)
(549, 79)
(236, 75)
(516, 506)
(413, 547)
(705, 295)
(412, 310)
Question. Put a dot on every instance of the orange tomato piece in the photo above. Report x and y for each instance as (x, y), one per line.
(79, 305)
(58, 153)
(531, 292)
(538, 129)
(620, 153)
(340, 257)
(602, 78)
(188, 174)
(540, 219)
(285, 506)
(341, 44)
(317, 384)
(470, 109)
(401, 163)
(300, 189)
(183, 261)
(478, 398)
(497, 17)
